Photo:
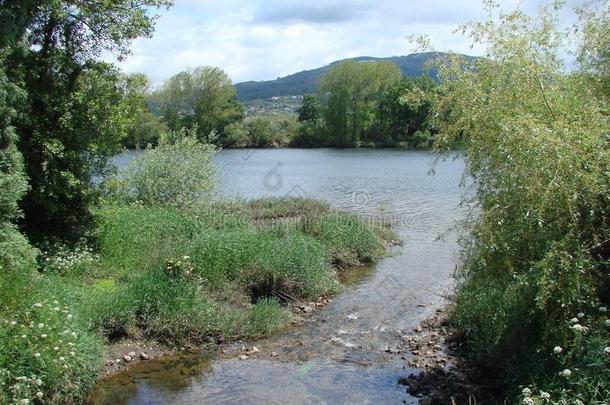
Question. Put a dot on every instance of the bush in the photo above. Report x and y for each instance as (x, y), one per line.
(46, 354)
(536, 254)
(178, 172)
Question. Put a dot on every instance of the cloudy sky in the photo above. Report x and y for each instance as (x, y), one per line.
(262, 40)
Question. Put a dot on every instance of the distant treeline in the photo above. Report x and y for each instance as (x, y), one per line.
(358, 104)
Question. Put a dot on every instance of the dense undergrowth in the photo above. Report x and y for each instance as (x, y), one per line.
(534, 286)
(174, 275)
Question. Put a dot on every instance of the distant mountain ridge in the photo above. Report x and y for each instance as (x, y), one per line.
(306, 81)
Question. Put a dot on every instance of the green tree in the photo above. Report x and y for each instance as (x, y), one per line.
(15, 252)
(404, 109)
(203, 97)
(310, 110)
(351, 91)
(537, 254)
(77, 109)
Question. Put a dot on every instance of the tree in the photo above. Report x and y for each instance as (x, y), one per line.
(310, 110)
(15, 252)
(404, 109)
(351, 91)
(76, 109)
(203, 97)
(536, 143)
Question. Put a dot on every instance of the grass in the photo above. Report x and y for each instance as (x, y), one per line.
(177, 276)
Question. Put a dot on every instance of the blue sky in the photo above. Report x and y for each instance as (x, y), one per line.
(261, 40)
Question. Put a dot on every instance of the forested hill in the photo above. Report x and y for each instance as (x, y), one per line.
(306, 81)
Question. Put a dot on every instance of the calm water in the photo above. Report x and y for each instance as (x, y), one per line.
(338, 356)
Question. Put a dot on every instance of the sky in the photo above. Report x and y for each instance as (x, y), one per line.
(264, 40)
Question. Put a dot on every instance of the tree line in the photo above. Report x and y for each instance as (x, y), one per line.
(359, 103)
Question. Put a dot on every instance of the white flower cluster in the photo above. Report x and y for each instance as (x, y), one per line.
(21, 389)
(67, 261)
(45, 332)
(530, 399)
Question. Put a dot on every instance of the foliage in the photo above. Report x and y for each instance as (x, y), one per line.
(177, 172)
(203, 98)
(263, 131)
(310, 110)
(403, 113)
(537, 253)
(45, 355)
(76, 110)
(146, 130)
(16, 255)
(351, 91)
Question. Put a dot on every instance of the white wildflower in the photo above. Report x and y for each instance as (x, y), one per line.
(545, 395)
(565, 373)
(557, 349)
(62, 358)
(44, 336)
(23, 336)
(528, 401)
(603, 309)
(13, 323)
(39, 382)
(607, 350)
(580, 328)
(41, 325)
(573, 320)
(73, 334)
(580, 315)
(69, 316)
(56, 348)
(38, 305)
(607, 323)
(39, 395)
(527, 392)
(37, 355)
(72, 354)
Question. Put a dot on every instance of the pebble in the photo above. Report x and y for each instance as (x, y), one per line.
(132, 355)
(144, 356)
(127, 358)
(243, 357)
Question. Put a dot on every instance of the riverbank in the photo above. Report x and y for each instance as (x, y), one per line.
(165, 280)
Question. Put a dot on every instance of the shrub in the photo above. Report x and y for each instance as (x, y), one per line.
(536, 254)
(45, 354)
(178, 172)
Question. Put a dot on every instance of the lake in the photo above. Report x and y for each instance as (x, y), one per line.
(338, 355)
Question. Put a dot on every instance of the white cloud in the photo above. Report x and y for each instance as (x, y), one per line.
(259, 40)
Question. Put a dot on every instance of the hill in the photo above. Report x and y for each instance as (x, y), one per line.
(306, 81)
